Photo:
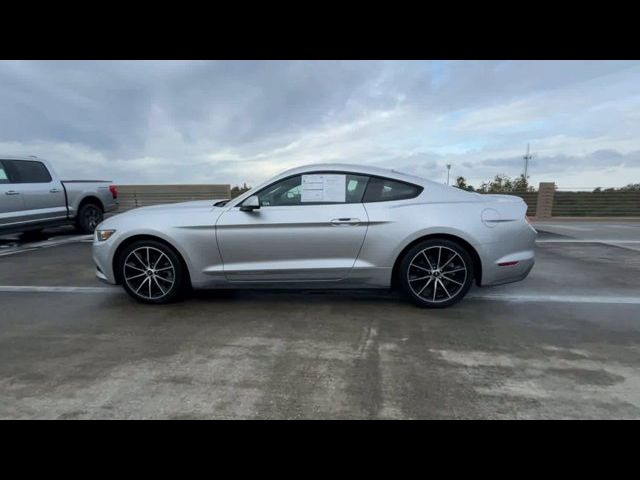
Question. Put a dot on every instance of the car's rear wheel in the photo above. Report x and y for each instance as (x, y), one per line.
(436, 273)
(89, 217)
(152, 272)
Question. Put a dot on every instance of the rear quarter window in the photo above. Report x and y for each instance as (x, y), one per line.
(386, 190)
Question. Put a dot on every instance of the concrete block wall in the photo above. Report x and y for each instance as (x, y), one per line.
(544, 204)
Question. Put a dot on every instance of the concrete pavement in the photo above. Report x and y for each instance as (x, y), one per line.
(561, 344)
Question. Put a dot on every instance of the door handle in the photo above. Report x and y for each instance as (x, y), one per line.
(11, 192)
(345, 221)
(54, 190)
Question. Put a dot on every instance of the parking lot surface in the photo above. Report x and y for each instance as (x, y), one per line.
(564, 343)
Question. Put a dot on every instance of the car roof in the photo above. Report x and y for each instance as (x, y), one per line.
(20, 157)
(351, 168)
(442, 191)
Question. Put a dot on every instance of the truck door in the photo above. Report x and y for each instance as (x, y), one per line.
(43, 197)
(11, 203)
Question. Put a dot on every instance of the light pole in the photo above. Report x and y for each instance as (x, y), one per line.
(526, 158)
(448, 170)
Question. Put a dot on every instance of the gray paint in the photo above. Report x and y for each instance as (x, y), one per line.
(299, 246)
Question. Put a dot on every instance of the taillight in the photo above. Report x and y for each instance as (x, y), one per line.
(114, 191)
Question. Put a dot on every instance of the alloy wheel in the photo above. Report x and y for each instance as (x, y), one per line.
(437, 274)
(149, 273)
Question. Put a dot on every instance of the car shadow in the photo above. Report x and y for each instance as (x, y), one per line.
(20, 239)
(273, 295)
(17, 240)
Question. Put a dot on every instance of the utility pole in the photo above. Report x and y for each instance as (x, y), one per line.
(448, 170)
(527, 157)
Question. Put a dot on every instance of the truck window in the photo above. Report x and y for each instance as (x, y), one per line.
(3, 175)
(27, 171)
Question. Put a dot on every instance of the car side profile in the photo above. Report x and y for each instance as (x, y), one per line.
(322, 226)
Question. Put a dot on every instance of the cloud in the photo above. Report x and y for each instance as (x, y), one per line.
(201, 121)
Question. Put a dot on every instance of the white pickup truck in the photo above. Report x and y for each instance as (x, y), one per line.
(32, 197)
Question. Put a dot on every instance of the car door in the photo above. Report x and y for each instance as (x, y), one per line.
(298, 234)
(11, 203)
(43, 197)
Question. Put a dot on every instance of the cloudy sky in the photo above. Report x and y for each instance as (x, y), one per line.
(234, 122)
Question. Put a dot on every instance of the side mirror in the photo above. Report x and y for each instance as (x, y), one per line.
(250, 204)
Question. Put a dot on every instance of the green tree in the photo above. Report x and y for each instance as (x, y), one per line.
(632, 187)
(237, 190)
(521, 184)
(504, 184)
(461, 183)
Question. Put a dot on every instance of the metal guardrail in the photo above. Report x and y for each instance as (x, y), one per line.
(133, 196)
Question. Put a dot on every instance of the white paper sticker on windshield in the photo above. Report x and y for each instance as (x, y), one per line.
(323, 188)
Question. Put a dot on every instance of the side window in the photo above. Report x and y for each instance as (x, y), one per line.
(4, 178)
(385, 190)
(356, 184)
(27, 171)
(284, 192)
(290, 191)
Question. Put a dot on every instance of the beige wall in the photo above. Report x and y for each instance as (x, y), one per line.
(132, 196)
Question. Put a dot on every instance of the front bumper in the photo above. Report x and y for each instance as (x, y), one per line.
(103, 258)
(102, 277)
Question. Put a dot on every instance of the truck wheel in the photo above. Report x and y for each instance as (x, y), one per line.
(89, 217)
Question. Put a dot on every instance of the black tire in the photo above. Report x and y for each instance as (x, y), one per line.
(431, 286)
(89, 217)
(163, 277)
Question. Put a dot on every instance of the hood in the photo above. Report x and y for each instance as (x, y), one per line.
(172, 209)
(168, 207)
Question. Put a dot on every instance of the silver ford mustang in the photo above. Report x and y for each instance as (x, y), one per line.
(322, 226)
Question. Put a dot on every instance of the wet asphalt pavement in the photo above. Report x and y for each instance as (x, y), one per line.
(564, 343)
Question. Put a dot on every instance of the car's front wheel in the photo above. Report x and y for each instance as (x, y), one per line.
(436, 273)
(152, 272)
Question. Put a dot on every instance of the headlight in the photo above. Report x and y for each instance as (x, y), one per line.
(102, 235)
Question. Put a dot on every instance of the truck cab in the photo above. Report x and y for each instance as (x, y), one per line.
(33, 197)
